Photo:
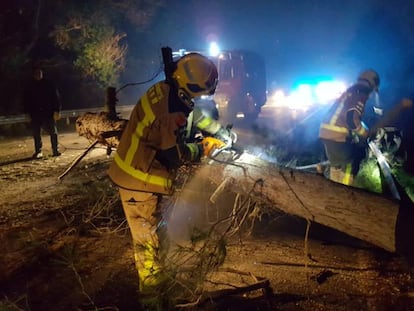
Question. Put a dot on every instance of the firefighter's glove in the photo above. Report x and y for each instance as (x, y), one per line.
(211, 144)
(56, 116)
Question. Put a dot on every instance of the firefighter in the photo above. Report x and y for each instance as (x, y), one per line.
(151, 149)
(342, 131)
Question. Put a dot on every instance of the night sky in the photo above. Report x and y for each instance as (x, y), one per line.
(299, 39)
(302, 39)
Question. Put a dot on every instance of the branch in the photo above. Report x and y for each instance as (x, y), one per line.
(77, 160)
(262, 284)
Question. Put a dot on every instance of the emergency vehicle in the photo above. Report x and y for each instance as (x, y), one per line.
(241, 90)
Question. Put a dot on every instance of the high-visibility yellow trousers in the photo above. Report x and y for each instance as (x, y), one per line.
(143, 218)
(343, 176)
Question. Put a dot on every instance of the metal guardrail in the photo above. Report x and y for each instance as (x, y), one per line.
(22, 118)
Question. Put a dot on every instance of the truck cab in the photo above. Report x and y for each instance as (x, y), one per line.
(241, 90)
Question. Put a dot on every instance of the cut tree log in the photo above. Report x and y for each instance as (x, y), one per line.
(381, 221)
(99, 128)
(102, 127)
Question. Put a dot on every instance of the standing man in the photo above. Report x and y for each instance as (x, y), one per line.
(343, 132)
(151, 149)
(41, 102)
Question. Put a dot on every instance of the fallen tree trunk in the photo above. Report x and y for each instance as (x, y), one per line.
(371, 217)
(381, 221)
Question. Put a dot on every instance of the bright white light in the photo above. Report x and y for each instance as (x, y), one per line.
(304, 95)
(277, 98)
(214, 49)
(301, 97)
(326, 91)
(206, 97)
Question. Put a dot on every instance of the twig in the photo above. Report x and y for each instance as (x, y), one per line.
(77, 160)
(226, 292)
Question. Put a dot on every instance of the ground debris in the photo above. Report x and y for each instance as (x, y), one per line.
(68, 246)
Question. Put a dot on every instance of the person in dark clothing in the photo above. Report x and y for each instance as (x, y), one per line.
(41, 102)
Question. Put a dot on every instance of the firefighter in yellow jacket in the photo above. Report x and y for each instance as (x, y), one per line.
(152, 147)
(343, 132)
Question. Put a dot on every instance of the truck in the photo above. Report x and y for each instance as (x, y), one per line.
(241, 89)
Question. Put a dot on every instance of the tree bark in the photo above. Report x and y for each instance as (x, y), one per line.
(381, 221)
(101, 127)
(374, 218)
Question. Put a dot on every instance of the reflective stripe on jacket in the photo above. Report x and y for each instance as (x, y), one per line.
(151, 127)
(344, 118)
(204, 122)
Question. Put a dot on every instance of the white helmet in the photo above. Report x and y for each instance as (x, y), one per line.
(195, 75)
(370, 76)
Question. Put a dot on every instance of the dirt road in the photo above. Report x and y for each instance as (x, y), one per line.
(66, 246)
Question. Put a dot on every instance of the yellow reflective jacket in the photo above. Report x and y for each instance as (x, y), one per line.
(198, 121)
(151, 127)
(204, 122)
(343, 119)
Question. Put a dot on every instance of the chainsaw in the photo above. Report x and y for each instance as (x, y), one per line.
(218, 149)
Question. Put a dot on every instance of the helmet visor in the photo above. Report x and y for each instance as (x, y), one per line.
(209, 87)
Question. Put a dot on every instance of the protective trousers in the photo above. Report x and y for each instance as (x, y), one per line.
(143, 219)
(344, 159)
